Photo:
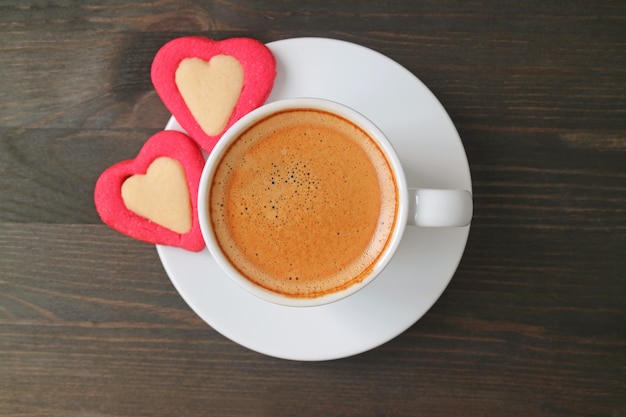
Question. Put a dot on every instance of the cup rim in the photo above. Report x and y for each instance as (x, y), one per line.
(233, 132)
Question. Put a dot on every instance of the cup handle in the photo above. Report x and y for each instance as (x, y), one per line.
(439, 208)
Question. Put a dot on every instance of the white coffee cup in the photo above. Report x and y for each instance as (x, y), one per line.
(415, 207)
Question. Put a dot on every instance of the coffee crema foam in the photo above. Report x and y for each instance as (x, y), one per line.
(303, 203)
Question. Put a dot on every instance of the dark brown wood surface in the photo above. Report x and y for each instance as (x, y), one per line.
(533, 322)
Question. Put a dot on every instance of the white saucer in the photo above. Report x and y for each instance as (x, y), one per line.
(433, 157)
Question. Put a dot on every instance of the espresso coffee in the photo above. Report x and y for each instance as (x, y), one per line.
(303, 203)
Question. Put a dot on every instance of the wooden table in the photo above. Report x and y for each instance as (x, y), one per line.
(533, 322)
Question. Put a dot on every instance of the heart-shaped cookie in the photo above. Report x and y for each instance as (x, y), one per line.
(208, 85)
(153, 197)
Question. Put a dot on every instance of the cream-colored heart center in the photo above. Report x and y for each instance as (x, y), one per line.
(210, 89)
(161, 195)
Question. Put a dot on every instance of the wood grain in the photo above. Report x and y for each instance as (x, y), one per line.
(533, 322)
